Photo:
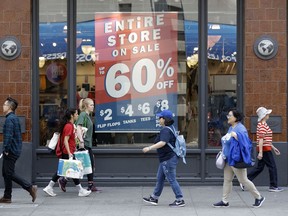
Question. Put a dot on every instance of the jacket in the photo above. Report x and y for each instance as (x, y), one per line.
(240, 150)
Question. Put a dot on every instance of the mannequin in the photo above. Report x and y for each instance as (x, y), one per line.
(83, 93)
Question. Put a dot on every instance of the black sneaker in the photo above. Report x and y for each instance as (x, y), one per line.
(177, 203)
(275, 189)
(151, 200)
(258, 202)
(221, 204)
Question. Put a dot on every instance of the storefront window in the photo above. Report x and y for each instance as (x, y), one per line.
(222, 73)
(132, 61)
(52, 66)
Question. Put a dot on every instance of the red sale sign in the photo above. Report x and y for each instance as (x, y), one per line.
(137, 55)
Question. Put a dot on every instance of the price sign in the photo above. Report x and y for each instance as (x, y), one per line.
(137, 68)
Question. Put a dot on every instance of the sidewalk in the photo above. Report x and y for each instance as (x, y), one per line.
(127, 201)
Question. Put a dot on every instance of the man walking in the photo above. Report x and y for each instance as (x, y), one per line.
(12, 145)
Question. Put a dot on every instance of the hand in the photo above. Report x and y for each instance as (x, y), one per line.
(233, 134)
(146, 149)
(260, 156)
(276, 151)
(81, 145)
(70, 156)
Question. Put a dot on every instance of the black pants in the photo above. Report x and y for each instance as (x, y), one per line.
(9, 175)
(90, 176)
(56, 177)
(269, 161)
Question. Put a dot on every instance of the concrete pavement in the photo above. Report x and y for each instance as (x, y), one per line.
(127, 201)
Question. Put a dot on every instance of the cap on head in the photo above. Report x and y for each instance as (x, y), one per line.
(262, 112)
(165, 114)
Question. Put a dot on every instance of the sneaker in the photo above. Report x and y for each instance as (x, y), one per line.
(62, 183)
(33, 192)
(83, 193)
(221, 204)
(242, 187)
(93, 188)
(5, 200)
(177, 203)
(275, 189)
(49, 191)
(151, 200)
(259, 202)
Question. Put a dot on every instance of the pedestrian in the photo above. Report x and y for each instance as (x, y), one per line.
(236, 129)
(168, 161)
(67, 146)
(86, 107)
(12, 146)
(264, 149)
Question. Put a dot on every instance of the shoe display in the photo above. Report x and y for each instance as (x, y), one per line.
(33, 192)
(242, 187)
(151, 200)
(5, 200)
(62, 183)
(49, 191)
(221, 204)
(83, 192)
(275, 189)
(177, 203)
(258, 202)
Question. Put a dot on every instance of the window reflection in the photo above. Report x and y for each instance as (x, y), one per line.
(221, 67)
(52, 66)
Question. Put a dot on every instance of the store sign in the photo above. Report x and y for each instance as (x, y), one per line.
(136, 73)
(56, 73)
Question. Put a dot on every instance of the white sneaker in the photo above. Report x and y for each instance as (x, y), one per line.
(49, 191)
(83, 193)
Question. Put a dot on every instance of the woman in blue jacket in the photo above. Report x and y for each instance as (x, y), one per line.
(236, 127)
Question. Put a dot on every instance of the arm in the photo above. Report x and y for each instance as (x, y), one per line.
(80, 136)
(276, 151)
(157, 145)
(66, 144)
(260, 154)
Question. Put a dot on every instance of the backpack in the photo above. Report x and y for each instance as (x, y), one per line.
(180, 145)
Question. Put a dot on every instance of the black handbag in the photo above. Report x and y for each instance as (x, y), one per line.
(243, 165)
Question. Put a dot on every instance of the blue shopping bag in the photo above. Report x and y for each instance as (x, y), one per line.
(84, 157)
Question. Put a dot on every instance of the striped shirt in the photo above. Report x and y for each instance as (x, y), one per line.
(264, 132)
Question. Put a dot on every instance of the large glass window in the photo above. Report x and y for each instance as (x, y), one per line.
(52, 66)
(222, 73)
(132, 61)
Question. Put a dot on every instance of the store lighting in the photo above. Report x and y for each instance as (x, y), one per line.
(41, 61)
(87, 49)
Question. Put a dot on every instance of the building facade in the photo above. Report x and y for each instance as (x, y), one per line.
(134, 59)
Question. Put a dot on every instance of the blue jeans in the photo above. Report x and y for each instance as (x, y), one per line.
(167, 169)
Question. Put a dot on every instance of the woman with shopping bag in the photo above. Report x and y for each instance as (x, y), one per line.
(66, 146)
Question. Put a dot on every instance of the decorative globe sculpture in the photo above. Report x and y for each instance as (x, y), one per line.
(266, 47)
(9, 48)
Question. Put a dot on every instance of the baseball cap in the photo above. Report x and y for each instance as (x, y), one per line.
(165, 114)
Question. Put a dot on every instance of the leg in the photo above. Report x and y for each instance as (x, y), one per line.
(256, 170)
(169, 168)
(270, 163)
(227, 184)
(8, 168)
(90, 176)
(241, 175)
(160, 182)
